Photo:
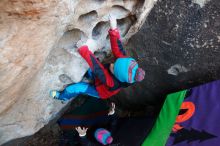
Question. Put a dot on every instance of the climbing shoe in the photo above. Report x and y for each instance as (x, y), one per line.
(54, 94)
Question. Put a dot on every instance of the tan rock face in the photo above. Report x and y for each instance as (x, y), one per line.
(38, 44)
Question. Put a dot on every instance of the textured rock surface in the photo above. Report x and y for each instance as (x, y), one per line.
(38, 44)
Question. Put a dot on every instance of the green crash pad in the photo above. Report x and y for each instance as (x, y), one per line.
(165, 121)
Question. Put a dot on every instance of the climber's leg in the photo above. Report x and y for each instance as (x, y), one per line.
(73, 90)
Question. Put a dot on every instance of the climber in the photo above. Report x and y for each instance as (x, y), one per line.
(109, 79)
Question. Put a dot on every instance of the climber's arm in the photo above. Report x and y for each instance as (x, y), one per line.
(116, 44)
(97, 68)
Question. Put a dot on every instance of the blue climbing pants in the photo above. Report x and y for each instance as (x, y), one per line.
(73, 90)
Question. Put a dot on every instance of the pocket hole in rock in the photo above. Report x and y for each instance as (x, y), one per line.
(100, 30)
(70, 38)
(119, 11)
(88, 17)
(65, 79)
(125, 24)
(139, 4)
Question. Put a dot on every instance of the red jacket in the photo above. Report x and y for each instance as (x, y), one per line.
(105, 82)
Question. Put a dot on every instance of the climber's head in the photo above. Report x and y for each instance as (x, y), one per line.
(127, 70)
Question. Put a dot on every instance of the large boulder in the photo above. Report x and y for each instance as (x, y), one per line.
(38, 46)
